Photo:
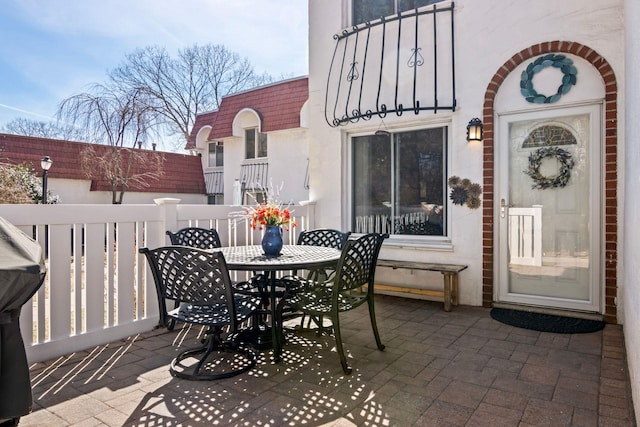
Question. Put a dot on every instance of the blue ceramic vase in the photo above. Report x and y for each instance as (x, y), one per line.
(272, 240)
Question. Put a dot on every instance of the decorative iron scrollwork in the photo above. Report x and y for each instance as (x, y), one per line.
(353, 73)
(362, 74)
(416, 60)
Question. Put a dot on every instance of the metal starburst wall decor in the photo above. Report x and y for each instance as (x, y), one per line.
(464, 192)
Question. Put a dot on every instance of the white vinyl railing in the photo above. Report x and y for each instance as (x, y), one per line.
(98, 288)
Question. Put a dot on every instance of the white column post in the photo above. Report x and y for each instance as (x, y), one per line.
(169, 214)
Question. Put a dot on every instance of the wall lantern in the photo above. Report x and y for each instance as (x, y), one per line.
(474, 130)
(45, 164)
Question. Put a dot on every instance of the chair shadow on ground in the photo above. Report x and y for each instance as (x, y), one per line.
(436, 368)
(306, 388)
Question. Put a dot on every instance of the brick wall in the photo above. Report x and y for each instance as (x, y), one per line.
(610, 166)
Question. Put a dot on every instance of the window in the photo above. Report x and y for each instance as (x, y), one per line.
(253, 197)
(549, 135)
(368, 10)
(255, 143)
(399, 183)
(215, 199)
(216, 154)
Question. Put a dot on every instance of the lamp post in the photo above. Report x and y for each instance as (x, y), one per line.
(45, 163)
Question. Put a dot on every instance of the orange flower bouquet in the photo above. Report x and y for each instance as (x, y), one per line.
(269, 213)
(270, 216)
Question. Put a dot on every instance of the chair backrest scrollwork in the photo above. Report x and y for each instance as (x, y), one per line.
(196, 237)
(324, 237)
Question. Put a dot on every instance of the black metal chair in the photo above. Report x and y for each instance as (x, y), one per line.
(196, 237)
(200, 280)
(356, 268)
(326, 237)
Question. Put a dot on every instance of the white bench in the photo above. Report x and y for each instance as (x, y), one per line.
(449, 271)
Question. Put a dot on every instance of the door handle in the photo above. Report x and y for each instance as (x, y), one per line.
(503, 208)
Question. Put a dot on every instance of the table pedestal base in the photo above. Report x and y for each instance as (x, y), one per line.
(259, 338)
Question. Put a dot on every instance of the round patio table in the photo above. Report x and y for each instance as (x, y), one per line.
(292, 257)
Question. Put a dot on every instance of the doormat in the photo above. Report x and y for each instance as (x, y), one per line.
(546, 322)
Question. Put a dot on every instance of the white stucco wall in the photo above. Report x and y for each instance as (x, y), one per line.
(287, 154)
(631, 260)
(72, 191)
(487, 34)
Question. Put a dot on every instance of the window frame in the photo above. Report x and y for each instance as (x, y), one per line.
(260, 147)
(218, 150)
(421, 241)
(215, 199)
(254, 196)
(352, 5)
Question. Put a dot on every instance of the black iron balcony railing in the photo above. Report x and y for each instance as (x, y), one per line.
(393, 65)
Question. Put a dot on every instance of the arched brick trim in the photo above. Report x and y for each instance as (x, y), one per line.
(610, 158)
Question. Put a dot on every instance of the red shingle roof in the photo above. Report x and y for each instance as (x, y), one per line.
(277, 104)
(182, 173)
(204, 119)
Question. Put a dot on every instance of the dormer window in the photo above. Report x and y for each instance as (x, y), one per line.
(255, 143)
(369, 10)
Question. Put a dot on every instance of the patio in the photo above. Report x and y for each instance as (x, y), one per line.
(460, 368)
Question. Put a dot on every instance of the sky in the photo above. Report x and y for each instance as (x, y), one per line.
(53, 49)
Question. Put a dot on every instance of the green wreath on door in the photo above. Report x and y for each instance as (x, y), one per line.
(560, 180)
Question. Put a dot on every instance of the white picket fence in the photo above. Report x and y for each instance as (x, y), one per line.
(98, 288)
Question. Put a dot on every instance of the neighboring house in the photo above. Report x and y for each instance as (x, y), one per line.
(182, 177)
(259, 138)
(555, 85)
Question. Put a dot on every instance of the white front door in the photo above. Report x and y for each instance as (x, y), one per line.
(548, 208)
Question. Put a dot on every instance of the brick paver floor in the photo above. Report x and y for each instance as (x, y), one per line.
(460, 368)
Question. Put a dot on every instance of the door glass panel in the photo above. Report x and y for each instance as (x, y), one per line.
(548, 221)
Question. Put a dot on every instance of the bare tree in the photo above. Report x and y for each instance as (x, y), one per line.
(110, 115)
(123, 169)
(192, 83)
(121, 120)
(40, 129)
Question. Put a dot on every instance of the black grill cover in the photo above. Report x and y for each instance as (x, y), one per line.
(22, 272)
